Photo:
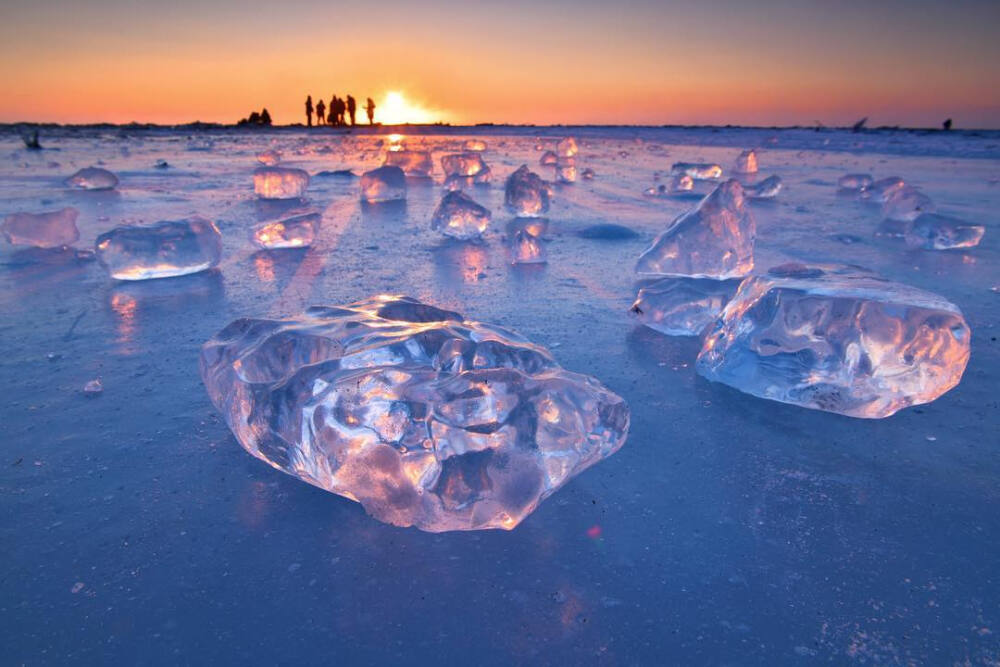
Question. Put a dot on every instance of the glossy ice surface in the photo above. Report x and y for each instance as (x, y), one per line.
(413, 162)
(50, 229)
(425, 418)
(383, 185)
(526, 194)
(728, 530)
(161, 250)
(699, 171)
(297, 231)
(746, 162)
(280, 182)
(682, 306)
(92, 178)
(837, 338)
(459, 216)
(463, 164)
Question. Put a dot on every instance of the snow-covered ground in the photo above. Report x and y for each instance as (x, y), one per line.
(728, 528)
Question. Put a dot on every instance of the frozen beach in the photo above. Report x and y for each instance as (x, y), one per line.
(727, 529)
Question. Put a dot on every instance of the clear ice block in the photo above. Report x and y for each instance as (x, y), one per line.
(567, 147)
(526, 248)
(92, 178)
(907, 204)
(462, 164)
(161, 250)
(526, 194)
(474, 145)
(882, 189)
(746, 162)
(715, 239)
(280, 182)
(682, 306)
(548, 159)
(700, 172)
(939, 232)
(269, 157)
(460, 217)
(566, 172)
(837, 338)
(426, 419)
(383, 184)
(298, 231)
(413, 163)
(52, 229)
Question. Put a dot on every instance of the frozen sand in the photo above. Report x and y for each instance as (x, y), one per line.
(726, 528)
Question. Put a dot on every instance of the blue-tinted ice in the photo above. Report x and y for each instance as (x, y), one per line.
(931, 231)
(52, 229)
(526, 194)
(280, 182)
(383, 184)
(459, 216)
(297, 231)
(92, 178)
(682, 306)
(161, 250)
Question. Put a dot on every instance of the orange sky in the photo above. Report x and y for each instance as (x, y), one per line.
(644, 62)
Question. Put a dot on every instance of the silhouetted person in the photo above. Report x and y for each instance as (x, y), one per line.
(320, 113)
(331, 110)
(370, 108)
(352, 107)
(341, 108)
(265, 116)
(946, 125)
(309, 110)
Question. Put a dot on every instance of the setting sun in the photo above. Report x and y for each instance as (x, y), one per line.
(397, 110)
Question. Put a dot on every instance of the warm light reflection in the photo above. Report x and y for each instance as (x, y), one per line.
(125, 307)
(263, 265)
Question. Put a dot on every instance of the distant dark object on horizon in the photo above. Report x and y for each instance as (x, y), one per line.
(946, 124)
(31, 140)
(860, 125)
(262, 119)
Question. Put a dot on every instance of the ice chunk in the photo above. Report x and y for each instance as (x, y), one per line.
(566, 172)
(855, 182)
(907, 204)
(460, 217)
(526, 194)
(526, 248)
(297, 231)
(938, 232)
(93, 388)
(414, 163)
(682, 306)
(681, 183)
(838, 339)
(746, 162)
(701, 172)
(567, 147)
(713, 240)
(765, 189)
(548, 159)
(280, 182)
(269, 157)
(425, 418)
(161, 250)
(92, 178)
(462, 164)
(882, 189)
(474, 145)
(53, 229)
(383, 184)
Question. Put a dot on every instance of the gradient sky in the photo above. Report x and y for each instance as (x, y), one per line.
(614, 61)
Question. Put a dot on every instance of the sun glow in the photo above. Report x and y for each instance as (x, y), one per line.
(396, 110)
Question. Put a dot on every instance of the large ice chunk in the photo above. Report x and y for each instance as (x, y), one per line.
(682, 306)
(746, 162)
(939, 232)
(161, 250)
(699, 171)
(459, 216)
(92, 178)
(383, 184)
(414, 163)
(297, 231)
(837, 338)
(462, 164)
(425, 418)
(713, 240)
(280, 182)
(52, 229)
(907, 204)
(526, 194)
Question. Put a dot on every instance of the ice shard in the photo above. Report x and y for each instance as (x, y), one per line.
(52, 229)
(907, 204)
(460, 217)
(383, 184)
(297, 231)
(548, 159)
(161, 250)
(526, 195)
(423, 417)
(746, 162)
(280, 182)
(413, 163)
(713, 240)
(566, 172)
(92, 178)
(526, 248)
(855, 182)
(836, 338)
(701, 172)
(567, 147)
(462, 164)
(682, 306)
(939, 232)
(765, 189)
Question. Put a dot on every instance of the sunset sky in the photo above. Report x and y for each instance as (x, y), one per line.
(611, 62)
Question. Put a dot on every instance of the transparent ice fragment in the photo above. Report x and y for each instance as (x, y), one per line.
(882, 189)
(701, 172)
(93, 388)
(938, 232)
(383, 184)
(413, 163)
(161, 250)
(682, 306)
(526, 248)
(855, 182)
(297, 231)
(765, 189)
(837, 338)
(52, 229)
(462, 164)
(526, 194)
(715, 239)
(567, 147)
(566, 172)
(907, 204)
(424, 418)
(474, 145)
(460, 217)
(270, 157)
(92, 178)
(681, 183)
(280, 182)
(548, 159)
(746, 162)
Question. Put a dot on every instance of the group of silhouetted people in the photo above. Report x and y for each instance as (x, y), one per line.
(338, 112)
